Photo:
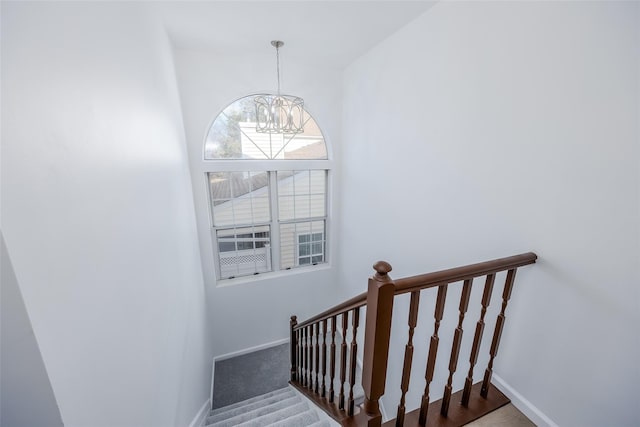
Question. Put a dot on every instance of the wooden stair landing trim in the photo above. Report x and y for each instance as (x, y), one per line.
(458, 414)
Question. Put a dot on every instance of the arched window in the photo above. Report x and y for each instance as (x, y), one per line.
(268, 194)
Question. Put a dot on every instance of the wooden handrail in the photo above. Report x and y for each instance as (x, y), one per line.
(350, 304)
(430, 280)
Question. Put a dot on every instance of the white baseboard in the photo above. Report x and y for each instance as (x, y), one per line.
(523, 405)
(251, 349)
(198, 420)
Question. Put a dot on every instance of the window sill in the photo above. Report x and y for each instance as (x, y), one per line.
(223, 283)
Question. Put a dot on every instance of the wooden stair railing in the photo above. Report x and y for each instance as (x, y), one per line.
(315, 342)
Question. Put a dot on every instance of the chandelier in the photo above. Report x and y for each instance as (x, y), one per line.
(281, 114)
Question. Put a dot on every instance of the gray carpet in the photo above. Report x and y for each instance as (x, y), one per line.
(250, 375)
(280, 408)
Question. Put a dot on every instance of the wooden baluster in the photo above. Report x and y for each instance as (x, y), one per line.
(433, 351)
(317, 362)
(477, 339)
(310, 357)
(332, 364)
(294, 348)
(343, 358)
(408, 355)
(355, 320)
(324, 358)
(303, 352)
(497, 333)
(300, 358)
(376, 341)
(455, 347)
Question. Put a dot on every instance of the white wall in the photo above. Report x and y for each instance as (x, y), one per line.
(486, 129)
(255, 312)
(98, 215)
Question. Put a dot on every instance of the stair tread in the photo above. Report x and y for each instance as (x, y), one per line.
(303, 419)
(286, 390)
(273, 417)
(249, 407)
(240, 415)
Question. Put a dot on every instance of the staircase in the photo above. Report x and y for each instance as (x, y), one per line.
(324, 371)
(324, 348)
(280, 408)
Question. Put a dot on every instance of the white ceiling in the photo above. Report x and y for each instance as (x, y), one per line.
(328, 32)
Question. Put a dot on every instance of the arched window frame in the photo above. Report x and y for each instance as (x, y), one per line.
(273, 167)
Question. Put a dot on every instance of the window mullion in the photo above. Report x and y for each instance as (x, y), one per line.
(275, 228)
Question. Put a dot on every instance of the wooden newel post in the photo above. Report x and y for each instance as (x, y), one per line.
(294, 346)
(376, 340)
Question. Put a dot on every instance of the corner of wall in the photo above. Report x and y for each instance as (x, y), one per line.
(27, 395)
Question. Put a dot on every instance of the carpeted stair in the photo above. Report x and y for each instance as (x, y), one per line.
(280, 408)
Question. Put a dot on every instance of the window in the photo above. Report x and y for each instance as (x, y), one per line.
(310, 248)
(267, 194)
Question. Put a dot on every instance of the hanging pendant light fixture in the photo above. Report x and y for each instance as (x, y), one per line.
(279, 113)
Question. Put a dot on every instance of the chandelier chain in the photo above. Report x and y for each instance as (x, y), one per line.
(278, 67)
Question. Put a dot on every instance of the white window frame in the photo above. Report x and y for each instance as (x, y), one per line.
(311, 243)
(270, 166)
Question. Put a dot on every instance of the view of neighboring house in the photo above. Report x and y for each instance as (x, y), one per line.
(247, 249)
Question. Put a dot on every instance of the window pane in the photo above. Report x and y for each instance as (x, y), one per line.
(316, 248)
(318, 181)
(224, 137)
(239, 198)
(242, 246)
(301, 194)
(303, 238)
(224, 246)
(304, 250)
(247, 251)
(233, 135)
(286, 189)
(286, 207)
(301, 243)
(300, 207)
(316, 205)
